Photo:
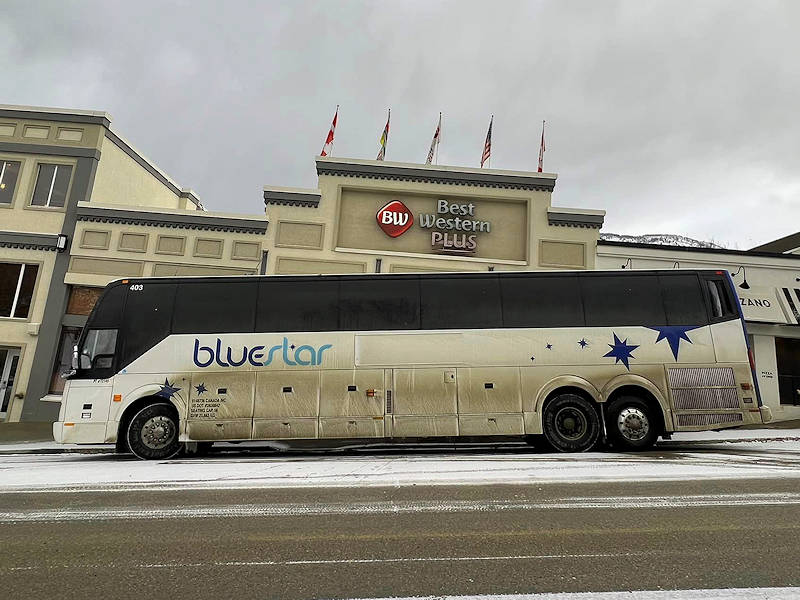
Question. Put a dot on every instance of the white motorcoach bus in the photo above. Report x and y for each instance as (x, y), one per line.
(572, 357)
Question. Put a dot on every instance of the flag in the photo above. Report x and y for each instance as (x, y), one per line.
(384, 138)
(435, 141)
(541, 150)
(328, 145)
(487, 147)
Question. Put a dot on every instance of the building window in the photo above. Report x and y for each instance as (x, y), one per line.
(16, 289)
(52, 182)
(9, 170)
(787, 353)
(82, 300)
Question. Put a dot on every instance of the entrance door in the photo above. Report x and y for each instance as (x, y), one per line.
(9, 360)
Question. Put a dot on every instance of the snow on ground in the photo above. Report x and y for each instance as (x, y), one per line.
(85, 472)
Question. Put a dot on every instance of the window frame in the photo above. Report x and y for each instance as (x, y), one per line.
(34, 290)
(17, 186)
(709, 279)
(36, 170)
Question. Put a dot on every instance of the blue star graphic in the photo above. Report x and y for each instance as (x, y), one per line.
(167, 390)
(621, 351)
(583, 343)
(673, 334)
(201, 388)
(292, 346)
(549, 346)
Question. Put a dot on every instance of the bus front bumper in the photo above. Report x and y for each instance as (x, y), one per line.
(79, 433)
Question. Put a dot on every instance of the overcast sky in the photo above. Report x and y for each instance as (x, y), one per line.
(674, 117)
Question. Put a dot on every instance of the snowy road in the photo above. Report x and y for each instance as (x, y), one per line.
(466, 524)
(692, 461)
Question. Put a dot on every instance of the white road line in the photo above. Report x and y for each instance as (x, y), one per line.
(783, 593)
(335, 561)
(745, 501)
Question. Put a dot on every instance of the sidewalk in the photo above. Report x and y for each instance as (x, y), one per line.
(679, 439)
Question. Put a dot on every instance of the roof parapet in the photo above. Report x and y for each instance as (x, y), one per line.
(440, 174)
(575, 217)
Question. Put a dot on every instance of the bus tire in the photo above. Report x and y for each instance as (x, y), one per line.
(632, 424)
(153, 432)
(571, 423)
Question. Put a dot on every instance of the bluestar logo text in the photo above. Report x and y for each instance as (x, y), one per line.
(205, 356)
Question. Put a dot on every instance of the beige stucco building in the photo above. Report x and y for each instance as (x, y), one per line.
(374, 216)
(79, 207)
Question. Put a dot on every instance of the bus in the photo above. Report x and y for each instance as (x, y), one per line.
(573, 359)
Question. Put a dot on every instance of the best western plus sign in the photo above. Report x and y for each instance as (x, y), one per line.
(395, 219)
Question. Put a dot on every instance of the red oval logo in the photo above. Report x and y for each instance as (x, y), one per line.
(395, 218)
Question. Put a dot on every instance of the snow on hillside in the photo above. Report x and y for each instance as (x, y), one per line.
(663, 239)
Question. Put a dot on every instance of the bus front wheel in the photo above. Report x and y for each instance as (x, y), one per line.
(571, 423)
(631, 424)
(153, 432)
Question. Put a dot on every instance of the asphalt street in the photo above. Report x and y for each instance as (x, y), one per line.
(351, 541)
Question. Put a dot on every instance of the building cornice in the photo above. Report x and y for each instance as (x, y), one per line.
(189, 220)
(292, 197)
(70, 151)
(29, 241)
(784, 244)
(61, 115)
(575, 217)
(445, 175)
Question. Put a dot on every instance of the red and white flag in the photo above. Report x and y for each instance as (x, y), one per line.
(487, 147)
(435, 142)
(541, 150)
(328, 146)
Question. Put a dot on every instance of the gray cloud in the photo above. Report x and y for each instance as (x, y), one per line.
(675, 117)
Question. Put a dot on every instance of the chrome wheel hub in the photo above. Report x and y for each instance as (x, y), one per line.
(158, 432)
(633, 424)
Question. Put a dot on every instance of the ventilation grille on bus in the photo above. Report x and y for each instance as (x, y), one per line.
(702, 377)
(705, 398)
(708, 419)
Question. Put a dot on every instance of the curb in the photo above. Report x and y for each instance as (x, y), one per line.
(45, 451)
(661, 444)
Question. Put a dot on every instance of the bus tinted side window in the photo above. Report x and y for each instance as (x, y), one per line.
(683, 299)
(148, 314)
(615, 300)
(108, 311)
(531, 301)
(294, 305)
(722, 300)
(215, 307)
(378, 304)
(460, 302)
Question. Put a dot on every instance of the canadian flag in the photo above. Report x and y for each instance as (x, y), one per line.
(328, 146)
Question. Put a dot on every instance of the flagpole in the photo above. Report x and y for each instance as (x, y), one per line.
(438, 143)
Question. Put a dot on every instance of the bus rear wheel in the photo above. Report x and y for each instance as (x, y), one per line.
(153, 432)
(571, 423)
(632, 424)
